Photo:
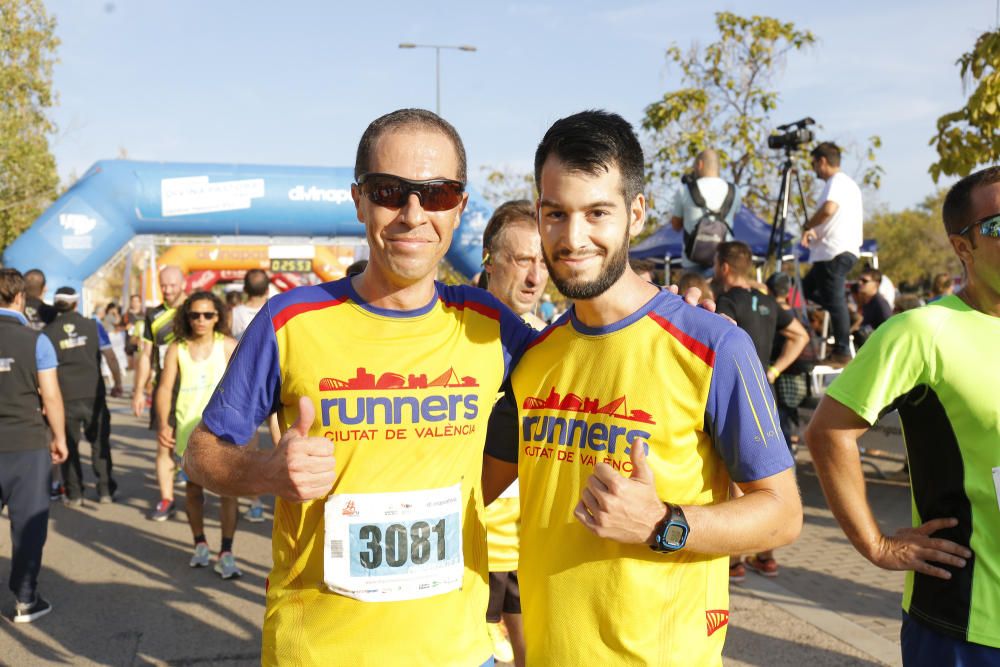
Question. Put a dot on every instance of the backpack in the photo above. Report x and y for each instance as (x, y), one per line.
(711, 229)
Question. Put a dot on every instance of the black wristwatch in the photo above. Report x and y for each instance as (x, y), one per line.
(672, 532)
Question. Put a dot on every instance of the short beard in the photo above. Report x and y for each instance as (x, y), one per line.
(614, 267)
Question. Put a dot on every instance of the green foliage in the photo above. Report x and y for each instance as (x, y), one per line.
(725, 102)
(505, 183)
(971, 136)
(912, 244)
(28, 178)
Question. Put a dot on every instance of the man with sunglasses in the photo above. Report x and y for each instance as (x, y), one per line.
(939, 366)
(872, 306)
(379, 552)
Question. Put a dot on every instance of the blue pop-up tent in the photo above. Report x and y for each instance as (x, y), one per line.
(747, 227)
(666, 243)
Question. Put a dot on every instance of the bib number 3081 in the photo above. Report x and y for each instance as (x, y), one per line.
(394, 546)
(398, 546)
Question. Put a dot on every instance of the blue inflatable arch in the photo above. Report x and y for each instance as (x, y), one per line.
(117, 199)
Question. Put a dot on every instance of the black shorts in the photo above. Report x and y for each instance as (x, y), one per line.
(505, 596)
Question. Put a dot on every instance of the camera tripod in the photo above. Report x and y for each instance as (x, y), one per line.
(778, 245)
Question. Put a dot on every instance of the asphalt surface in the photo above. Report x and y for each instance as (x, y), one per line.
(123, 593)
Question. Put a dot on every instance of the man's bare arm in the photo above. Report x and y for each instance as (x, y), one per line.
(832, 437)
(497, 476)
(299, 467)
(116, 371)
(142, 371)
(796, 340)
(627, 509)
(822, 214)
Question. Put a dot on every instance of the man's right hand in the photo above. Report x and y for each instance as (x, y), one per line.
(138, 402)
(302, 467)
(58, 449)
(915, 549)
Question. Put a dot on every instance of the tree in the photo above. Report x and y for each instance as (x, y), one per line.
(912, 244)
(505, 183)
(971, 136)
(725, 102)
(28, 178)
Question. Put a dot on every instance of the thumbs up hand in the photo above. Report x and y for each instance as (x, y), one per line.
(624, 509)
(302, 467)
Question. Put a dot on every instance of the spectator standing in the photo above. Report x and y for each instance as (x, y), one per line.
(157, 334)
(134, 319)
(28, 382)
(939, 366)
(765, 321)
(704, 194)
(80, 343)
(37, 312)
(833, 236)
(872, 306)
(255, 287)
(513, 262)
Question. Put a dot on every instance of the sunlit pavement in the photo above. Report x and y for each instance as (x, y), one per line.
(123, 593)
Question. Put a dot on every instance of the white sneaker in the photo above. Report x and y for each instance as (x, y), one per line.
(226, 566)
(202, 556)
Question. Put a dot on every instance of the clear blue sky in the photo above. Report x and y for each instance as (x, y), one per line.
(297, 82)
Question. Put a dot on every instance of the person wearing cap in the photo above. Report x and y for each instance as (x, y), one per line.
(28, 382)
(79, 343)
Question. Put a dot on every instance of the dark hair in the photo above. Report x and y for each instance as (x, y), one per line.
(957, 210)
(941, 283)
(34, 282)
(405, 119)
(11, 284)
(112, 304)
(640, 265)
(874, 274)
(505, 214)
(256, 282)
(828, 150)
(779, 284)
(737, 255)
(356, 268)
(592, 142)
(182, 326)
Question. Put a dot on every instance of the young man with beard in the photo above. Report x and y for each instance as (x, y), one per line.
(379, 553)
(633, 412)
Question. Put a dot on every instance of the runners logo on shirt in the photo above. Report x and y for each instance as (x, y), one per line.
(715, 619)
(594, 430)
(433, 412)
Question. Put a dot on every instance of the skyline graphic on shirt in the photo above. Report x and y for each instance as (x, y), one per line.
(571, 402)
(366, 380)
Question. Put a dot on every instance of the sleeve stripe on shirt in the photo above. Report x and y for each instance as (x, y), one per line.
(764, 389)
(285, 314)
(700, 350)
(746, 390)
(475, 306)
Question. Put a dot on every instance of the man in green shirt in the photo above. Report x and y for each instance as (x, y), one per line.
(939, 366)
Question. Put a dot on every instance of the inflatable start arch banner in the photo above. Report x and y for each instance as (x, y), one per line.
(117, 199)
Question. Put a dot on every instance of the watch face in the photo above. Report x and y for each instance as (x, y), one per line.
(675, 535)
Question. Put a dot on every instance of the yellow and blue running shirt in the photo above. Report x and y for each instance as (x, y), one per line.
(690, 383)
(405, 397)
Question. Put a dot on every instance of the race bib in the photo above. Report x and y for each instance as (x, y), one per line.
(384, 547)
(161, 354)
(996, 484)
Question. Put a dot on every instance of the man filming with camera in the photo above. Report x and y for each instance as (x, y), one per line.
(833, 235)
(704, 208)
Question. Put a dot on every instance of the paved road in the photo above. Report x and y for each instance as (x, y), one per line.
(124, 594)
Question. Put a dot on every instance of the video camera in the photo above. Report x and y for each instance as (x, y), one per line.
(793, 135)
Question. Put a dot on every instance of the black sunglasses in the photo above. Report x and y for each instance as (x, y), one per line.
(988, 226)
(193, 316)
(439, 194)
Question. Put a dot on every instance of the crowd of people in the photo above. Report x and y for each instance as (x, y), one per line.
(450, 457)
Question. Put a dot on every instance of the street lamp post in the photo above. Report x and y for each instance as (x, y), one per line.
(437, 65)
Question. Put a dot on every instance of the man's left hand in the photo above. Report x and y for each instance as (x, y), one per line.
(624, 509)
(117, 392)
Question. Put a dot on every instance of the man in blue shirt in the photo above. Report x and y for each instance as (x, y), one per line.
(28, 382)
